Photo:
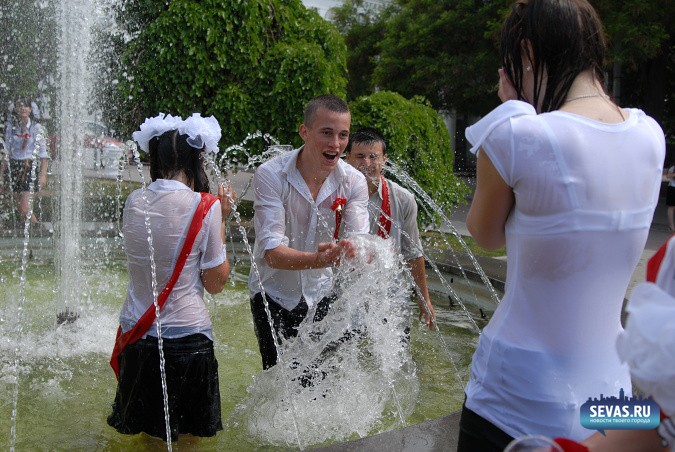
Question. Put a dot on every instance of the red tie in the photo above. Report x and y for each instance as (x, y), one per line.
(384, 227)
(25, 137)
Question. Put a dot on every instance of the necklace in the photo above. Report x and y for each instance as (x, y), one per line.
(583, 97)
(586, 96)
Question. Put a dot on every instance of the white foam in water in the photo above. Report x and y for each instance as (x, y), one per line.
(356, 365)
(69, 340)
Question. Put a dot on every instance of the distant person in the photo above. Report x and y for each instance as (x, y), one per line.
(188, 248)
(568, 181)
(25, 138)
(392, 210)
(670, 197)
(300, 199)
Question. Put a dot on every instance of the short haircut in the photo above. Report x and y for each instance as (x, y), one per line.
(329, 102)
(367, 136)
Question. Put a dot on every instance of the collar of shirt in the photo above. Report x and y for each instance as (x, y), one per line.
(330, 185)
(167, 185)
(379, 189)
(16, 126)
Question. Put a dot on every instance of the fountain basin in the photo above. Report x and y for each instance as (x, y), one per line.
(66, 385)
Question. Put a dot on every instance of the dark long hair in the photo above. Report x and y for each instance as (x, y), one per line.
(170, 154)
(567, 38)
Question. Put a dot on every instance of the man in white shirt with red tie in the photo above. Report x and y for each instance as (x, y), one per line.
(392, 210)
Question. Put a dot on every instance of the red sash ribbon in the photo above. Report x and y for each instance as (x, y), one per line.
(384, 223)
(145, 322)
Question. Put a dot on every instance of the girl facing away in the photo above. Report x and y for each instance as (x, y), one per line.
(568, 181)
(180, 211)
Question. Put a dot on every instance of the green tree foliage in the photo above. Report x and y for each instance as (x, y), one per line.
(362, 29)
(417, 141)
(252, 64)
(447, 51)
(442, 50)
(28, 51)
(642, 53)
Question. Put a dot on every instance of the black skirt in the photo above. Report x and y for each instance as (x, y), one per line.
(192, 386)
(670, 196)
(20, 172)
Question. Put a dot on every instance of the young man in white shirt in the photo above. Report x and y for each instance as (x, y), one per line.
(392, 210)
(300, 199)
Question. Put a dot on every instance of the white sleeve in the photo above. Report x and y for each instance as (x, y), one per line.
(494, 135)
(270, 213)
(212, 247)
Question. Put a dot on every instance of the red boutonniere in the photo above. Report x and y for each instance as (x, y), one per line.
(337, 207)
(338, 203)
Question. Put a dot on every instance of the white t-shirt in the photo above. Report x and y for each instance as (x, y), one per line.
(404, 230)
(286, 213)
(171, 206)
(585, 194)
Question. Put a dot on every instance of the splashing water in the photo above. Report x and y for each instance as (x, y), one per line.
(350, 373)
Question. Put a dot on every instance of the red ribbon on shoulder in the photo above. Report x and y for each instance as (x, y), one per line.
(145, 322)
(337, 207)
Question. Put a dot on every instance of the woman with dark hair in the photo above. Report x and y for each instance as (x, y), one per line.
(187, 253)
(568, 181)
(670, 197)
(25, 139)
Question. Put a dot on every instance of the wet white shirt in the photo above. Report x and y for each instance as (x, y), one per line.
(171, 206)
(35, 135)
(585, 194)
(404, 231)
(286, 213)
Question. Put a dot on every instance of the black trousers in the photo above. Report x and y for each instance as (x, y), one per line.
(478, 434)
(285, 323)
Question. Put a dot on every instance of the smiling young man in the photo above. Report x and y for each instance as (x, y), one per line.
(392, 209)
(300, 199)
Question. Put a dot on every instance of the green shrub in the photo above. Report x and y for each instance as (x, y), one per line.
(417, 141)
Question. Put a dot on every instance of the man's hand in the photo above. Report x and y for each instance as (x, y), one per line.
(429, 315)
(330, 254)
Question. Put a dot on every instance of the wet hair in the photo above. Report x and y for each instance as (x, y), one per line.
(367, 136)
(329, 102)
(567, 38)
(170, 154)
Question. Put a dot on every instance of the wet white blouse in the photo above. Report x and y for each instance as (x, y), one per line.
(286, 213)
(585, 194)
(171, 206)
(35, 135)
